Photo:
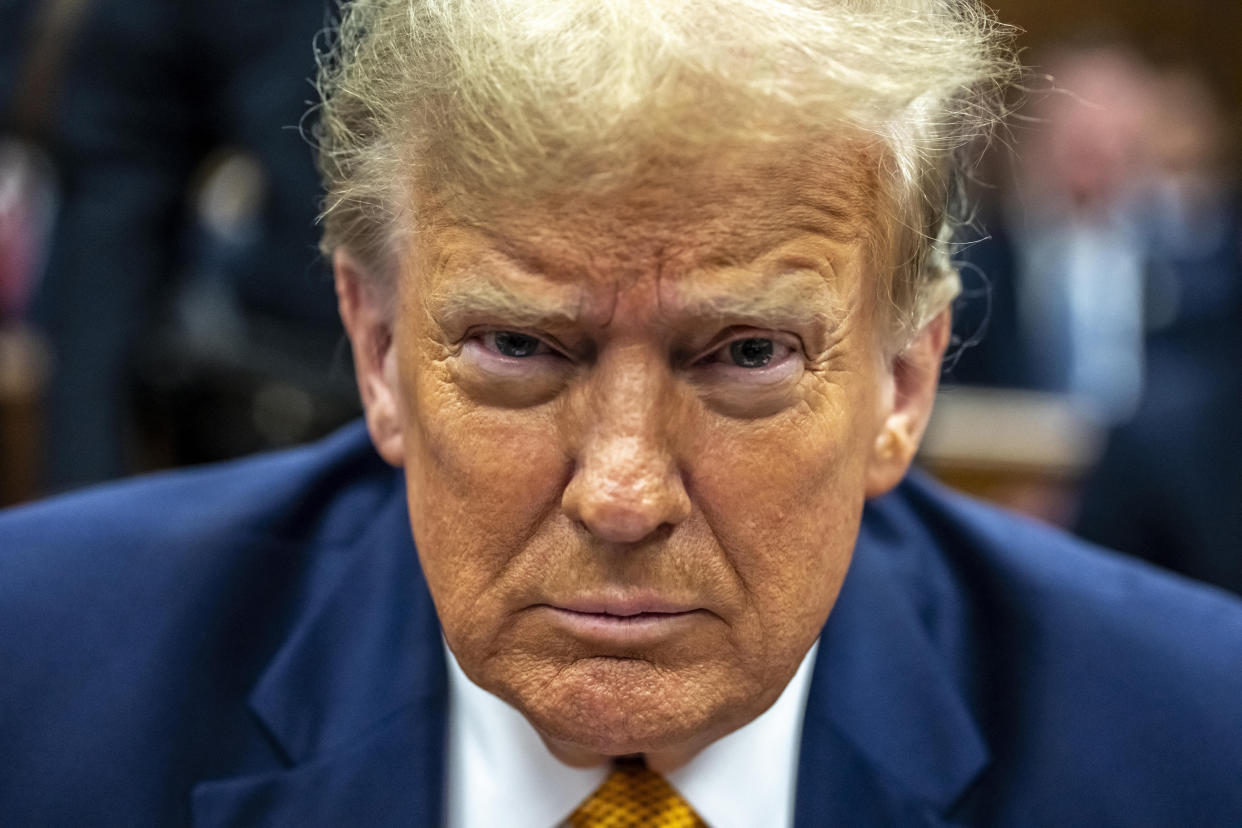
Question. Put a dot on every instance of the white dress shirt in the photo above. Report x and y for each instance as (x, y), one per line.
(500, 772)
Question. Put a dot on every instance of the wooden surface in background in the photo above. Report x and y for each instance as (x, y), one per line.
(1024, 450)
(23, 373)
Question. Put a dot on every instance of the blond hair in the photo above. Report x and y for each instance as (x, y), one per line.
(511, 99)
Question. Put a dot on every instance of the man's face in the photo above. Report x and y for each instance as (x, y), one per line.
(637, 434)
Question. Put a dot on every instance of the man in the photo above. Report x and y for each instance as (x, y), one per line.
(647, 303)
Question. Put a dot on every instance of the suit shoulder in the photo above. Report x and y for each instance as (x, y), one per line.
(151, 547)
(1048, 601)
(1054, 573)
(314, 492)
(127, 605)
(1083, 664)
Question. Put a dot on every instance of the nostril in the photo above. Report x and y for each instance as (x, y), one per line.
(617, 516)
(619, 524)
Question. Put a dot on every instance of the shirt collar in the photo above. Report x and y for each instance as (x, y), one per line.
(749, 776)
(501, 773)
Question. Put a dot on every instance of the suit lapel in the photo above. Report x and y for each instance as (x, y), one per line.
(887, 738)
(389, 777)
(355, 699)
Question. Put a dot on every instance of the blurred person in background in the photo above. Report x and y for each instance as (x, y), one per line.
(1075, 218)
(1053, 265)
(32, 61)
(1113, 260)
(1169, 487)
(1193, 219)
(176, 135)
(33, 53)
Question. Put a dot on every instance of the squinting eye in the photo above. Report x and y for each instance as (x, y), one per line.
(758, 358)
(755, 352)
(514, 344)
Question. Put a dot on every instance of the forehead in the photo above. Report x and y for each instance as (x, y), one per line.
(809, 206)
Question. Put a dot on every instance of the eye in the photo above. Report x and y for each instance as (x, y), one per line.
(755, 352)
(753, 374)
(750, 353)
(511, 369)
(513, 344)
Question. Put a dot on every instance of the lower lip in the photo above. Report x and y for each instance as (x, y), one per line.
(645, 627)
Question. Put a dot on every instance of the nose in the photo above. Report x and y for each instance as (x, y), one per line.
(626, 482)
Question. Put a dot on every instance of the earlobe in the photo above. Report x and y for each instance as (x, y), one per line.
(914, 378)
(366, 312)
(891, 456)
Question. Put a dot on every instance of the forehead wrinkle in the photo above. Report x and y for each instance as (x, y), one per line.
(579, 260)
(834, 225)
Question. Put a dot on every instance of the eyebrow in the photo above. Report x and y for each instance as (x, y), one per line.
(786, 297)
(809, 303)
(482, 295)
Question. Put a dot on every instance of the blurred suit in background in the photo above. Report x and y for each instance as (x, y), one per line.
(153, 92)
(1169, 487)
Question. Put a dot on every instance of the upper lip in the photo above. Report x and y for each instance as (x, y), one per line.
(627, 605)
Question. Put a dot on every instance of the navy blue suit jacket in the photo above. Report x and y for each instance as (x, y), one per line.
(253, 644)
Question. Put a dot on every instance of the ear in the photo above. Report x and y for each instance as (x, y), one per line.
(913, 377)
(367, 312)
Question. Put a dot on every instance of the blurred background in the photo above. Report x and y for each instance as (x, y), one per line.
(162, 302)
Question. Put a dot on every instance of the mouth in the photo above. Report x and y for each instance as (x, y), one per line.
(624, 607)
(634, 622)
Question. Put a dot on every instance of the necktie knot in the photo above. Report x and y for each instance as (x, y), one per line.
(633, 795)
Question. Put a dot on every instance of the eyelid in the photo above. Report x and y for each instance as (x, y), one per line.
(550, 343)
(731, 335)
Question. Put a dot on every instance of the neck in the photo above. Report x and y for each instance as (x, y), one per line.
(663, 761)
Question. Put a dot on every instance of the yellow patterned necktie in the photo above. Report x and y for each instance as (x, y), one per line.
(634, 796)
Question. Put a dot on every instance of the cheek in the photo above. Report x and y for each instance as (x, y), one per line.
(784, 498)
(480, 482)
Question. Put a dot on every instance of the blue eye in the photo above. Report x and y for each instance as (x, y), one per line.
(755, 352)
(513, 344)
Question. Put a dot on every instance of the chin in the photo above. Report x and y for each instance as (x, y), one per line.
(623, 706)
